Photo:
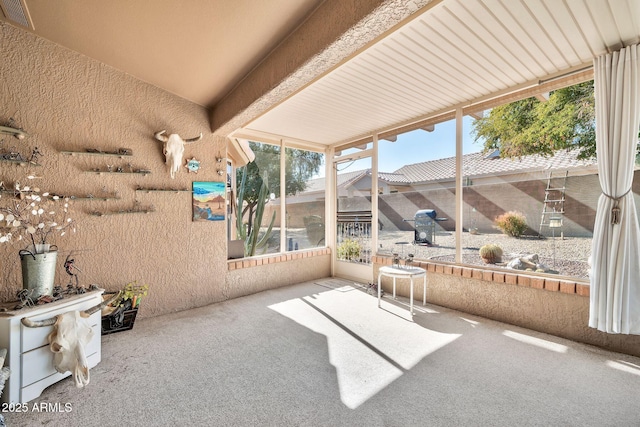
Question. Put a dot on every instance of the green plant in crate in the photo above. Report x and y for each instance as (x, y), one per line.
(252, 239)
(349, 250)
(132, 294)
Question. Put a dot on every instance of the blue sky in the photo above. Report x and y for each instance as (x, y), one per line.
(419, 146)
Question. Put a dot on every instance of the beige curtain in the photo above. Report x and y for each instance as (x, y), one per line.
(615, 274)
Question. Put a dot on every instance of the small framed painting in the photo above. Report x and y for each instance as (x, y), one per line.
(208, 201)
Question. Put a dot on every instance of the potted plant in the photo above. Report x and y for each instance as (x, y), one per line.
(36, 217)
(121, 314)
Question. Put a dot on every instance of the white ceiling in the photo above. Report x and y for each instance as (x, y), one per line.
(454, 54)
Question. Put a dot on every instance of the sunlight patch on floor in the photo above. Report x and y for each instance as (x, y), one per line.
(624, 366)
(369, 347)
(473, 323)
(538, 342)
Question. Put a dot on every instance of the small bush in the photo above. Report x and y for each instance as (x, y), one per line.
(511, 223)
(491, 253)
(349, 250)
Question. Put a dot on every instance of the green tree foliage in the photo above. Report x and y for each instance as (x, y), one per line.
(529, 126)
(300, 166)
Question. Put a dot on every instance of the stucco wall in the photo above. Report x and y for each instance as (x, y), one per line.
(259, 274)
(66, 101)
(544, 304)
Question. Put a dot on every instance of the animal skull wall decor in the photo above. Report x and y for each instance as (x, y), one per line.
(68, 340)
(174, 149)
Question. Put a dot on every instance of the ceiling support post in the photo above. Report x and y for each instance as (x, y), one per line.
(374, 197)
(459, 195)
(283, 198)
(330, 206)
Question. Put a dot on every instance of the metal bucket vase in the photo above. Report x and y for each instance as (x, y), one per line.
(38, 272)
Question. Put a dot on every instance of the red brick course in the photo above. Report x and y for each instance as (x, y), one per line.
(489, 275)
(272, 259)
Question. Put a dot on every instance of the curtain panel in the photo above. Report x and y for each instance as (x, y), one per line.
(615, 273)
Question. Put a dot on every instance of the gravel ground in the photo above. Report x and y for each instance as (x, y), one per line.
(571, 253)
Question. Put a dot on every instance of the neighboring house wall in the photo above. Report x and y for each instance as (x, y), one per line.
(492, 200)
(490, 197)
(492, 186)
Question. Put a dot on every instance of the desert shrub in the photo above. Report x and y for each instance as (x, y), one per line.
(491, 253)
(349, 250)
(511, 223)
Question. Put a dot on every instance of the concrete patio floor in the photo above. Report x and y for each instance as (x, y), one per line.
(322, 353)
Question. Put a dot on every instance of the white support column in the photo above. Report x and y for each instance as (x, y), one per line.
(231, 222)
(330, 206)
(283, 195)
(459, 198)
(374, 197)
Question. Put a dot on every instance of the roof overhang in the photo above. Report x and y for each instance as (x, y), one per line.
(239, 151)
(452, 54)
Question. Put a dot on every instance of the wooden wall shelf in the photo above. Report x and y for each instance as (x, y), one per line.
(139, 172)
(18, 133)
(162, 190)
(146, 210)
(16, 194)
(83, 198)
(20, 162)
(97, 153)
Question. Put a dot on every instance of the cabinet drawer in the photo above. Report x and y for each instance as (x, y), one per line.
(37, 337)
(32, 391)
(38, 363)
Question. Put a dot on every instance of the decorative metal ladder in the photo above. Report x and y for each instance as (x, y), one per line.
(554, 198)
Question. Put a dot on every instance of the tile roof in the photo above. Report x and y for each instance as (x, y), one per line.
(393, 178)
(480, 164)
(473, 165)
(318, 184)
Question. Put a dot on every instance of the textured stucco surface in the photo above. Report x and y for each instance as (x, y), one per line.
(556, 313)
(247, 281)
(334, 32)
(66, 101)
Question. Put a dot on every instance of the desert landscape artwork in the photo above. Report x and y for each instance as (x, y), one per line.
(208, 201)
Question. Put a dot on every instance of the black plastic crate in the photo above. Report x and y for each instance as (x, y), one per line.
(118, 321)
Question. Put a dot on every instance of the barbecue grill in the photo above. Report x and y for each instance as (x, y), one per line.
(425, 226)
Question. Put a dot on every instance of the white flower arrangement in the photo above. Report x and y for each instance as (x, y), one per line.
(35, 216)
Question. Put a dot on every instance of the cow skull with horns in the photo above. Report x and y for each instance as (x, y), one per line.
(174, 149)
(71, 334)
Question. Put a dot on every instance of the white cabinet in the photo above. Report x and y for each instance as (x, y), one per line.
(28, 353)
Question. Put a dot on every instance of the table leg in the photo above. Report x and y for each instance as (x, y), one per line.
(424, 291)
(411, 298)
(394, 288)
(379, 289)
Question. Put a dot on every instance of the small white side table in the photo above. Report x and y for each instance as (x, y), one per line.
(403, 273)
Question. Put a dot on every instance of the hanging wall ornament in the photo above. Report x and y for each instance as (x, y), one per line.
(173, 149)
(193, 165)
